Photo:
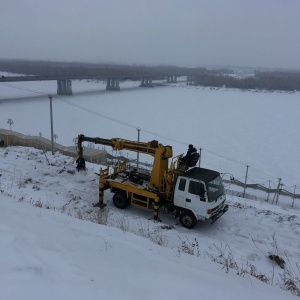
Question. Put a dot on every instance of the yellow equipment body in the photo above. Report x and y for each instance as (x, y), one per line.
(156, 188)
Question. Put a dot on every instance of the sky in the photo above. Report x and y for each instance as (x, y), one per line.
(193, 33)
(52, 248)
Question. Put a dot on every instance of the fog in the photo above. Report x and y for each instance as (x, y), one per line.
(186, 33)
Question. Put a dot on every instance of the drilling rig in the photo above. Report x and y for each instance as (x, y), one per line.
(192, 193)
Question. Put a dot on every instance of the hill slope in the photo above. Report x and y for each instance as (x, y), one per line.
(48, 253)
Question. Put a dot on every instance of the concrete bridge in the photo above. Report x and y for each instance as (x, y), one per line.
(64, 83)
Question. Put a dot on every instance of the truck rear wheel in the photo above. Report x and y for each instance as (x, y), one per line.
(187, 219)
(120, 200)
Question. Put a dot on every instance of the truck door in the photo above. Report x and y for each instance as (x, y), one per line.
(196, 197)
(180, 192)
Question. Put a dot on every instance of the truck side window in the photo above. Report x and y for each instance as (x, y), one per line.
(196, 188)
(182, 183)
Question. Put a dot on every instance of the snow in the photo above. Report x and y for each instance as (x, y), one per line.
(48, 252)
(51, 243)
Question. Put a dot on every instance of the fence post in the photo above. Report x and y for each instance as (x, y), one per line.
(277, 192)
(245, 182)
(269, 191)
(294, 196)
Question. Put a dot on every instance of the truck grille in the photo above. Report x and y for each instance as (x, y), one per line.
(216, 210)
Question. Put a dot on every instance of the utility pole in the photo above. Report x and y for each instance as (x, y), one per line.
(200, 150)
(10, 122)
(245, 182)
(138, 154)
(51, 120)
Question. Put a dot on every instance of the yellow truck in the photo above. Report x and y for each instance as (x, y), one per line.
(191, 193)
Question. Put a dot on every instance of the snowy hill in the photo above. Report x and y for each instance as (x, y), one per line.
(53, 246)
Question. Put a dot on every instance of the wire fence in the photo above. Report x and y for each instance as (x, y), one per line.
(12, 138)
(259, 192)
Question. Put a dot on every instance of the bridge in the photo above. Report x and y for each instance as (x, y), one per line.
(64, 83)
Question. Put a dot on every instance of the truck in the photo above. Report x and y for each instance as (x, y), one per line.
(192, 193)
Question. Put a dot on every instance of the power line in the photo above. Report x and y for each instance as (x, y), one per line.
(98, 114)
(263, 172)
(19, 87)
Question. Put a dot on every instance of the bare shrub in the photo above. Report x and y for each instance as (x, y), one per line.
(122, 223)
(290, 282)
(21, 199)
(38, 203)
(188, 247)
(99, 216)
(224, 256)
(79, 215)
(156, 236)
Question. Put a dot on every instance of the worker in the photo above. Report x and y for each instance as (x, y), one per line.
(80, 163)
(186, 160)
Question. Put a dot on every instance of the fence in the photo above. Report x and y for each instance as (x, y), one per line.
(12, 138)
(272, 195)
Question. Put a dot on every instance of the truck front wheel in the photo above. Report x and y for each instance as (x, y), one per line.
(120, 200)
(187, 219)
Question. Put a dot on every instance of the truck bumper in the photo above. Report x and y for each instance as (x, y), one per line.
(220, 213)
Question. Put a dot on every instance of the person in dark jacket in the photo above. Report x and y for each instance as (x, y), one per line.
(187, 158)
(80, 163)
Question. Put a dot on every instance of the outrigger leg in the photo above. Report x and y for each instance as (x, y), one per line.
(101, 203)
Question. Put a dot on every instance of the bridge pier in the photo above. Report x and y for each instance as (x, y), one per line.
(146, 82)
(171, 79)
(113, 84)
(64, 87)
(190, 79)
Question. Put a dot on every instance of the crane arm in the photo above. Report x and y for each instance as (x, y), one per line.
(160, 153)
(121, 144)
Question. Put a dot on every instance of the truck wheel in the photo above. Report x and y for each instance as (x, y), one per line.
(120, 200)
(187, 219)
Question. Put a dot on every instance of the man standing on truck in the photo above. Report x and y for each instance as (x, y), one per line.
(189, 157)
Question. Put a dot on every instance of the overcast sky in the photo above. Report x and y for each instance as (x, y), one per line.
(255, 33)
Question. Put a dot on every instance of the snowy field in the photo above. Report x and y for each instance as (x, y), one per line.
(48, 252)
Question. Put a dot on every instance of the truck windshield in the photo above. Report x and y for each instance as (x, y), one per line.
(215, 189)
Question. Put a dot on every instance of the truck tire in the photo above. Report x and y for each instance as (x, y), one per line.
(187, 219)
(120, 200)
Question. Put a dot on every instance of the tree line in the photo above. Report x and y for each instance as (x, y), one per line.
(277, 80)
(42, 68)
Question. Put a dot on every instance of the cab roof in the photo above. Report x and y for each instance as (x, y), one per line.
(205, 175)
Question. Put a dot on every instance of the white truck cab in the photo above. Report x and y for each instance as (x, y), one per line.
(199, 196)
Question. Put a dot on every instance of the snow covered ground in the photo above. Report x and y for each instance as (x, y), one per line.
(50, 253)
(51, 248)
